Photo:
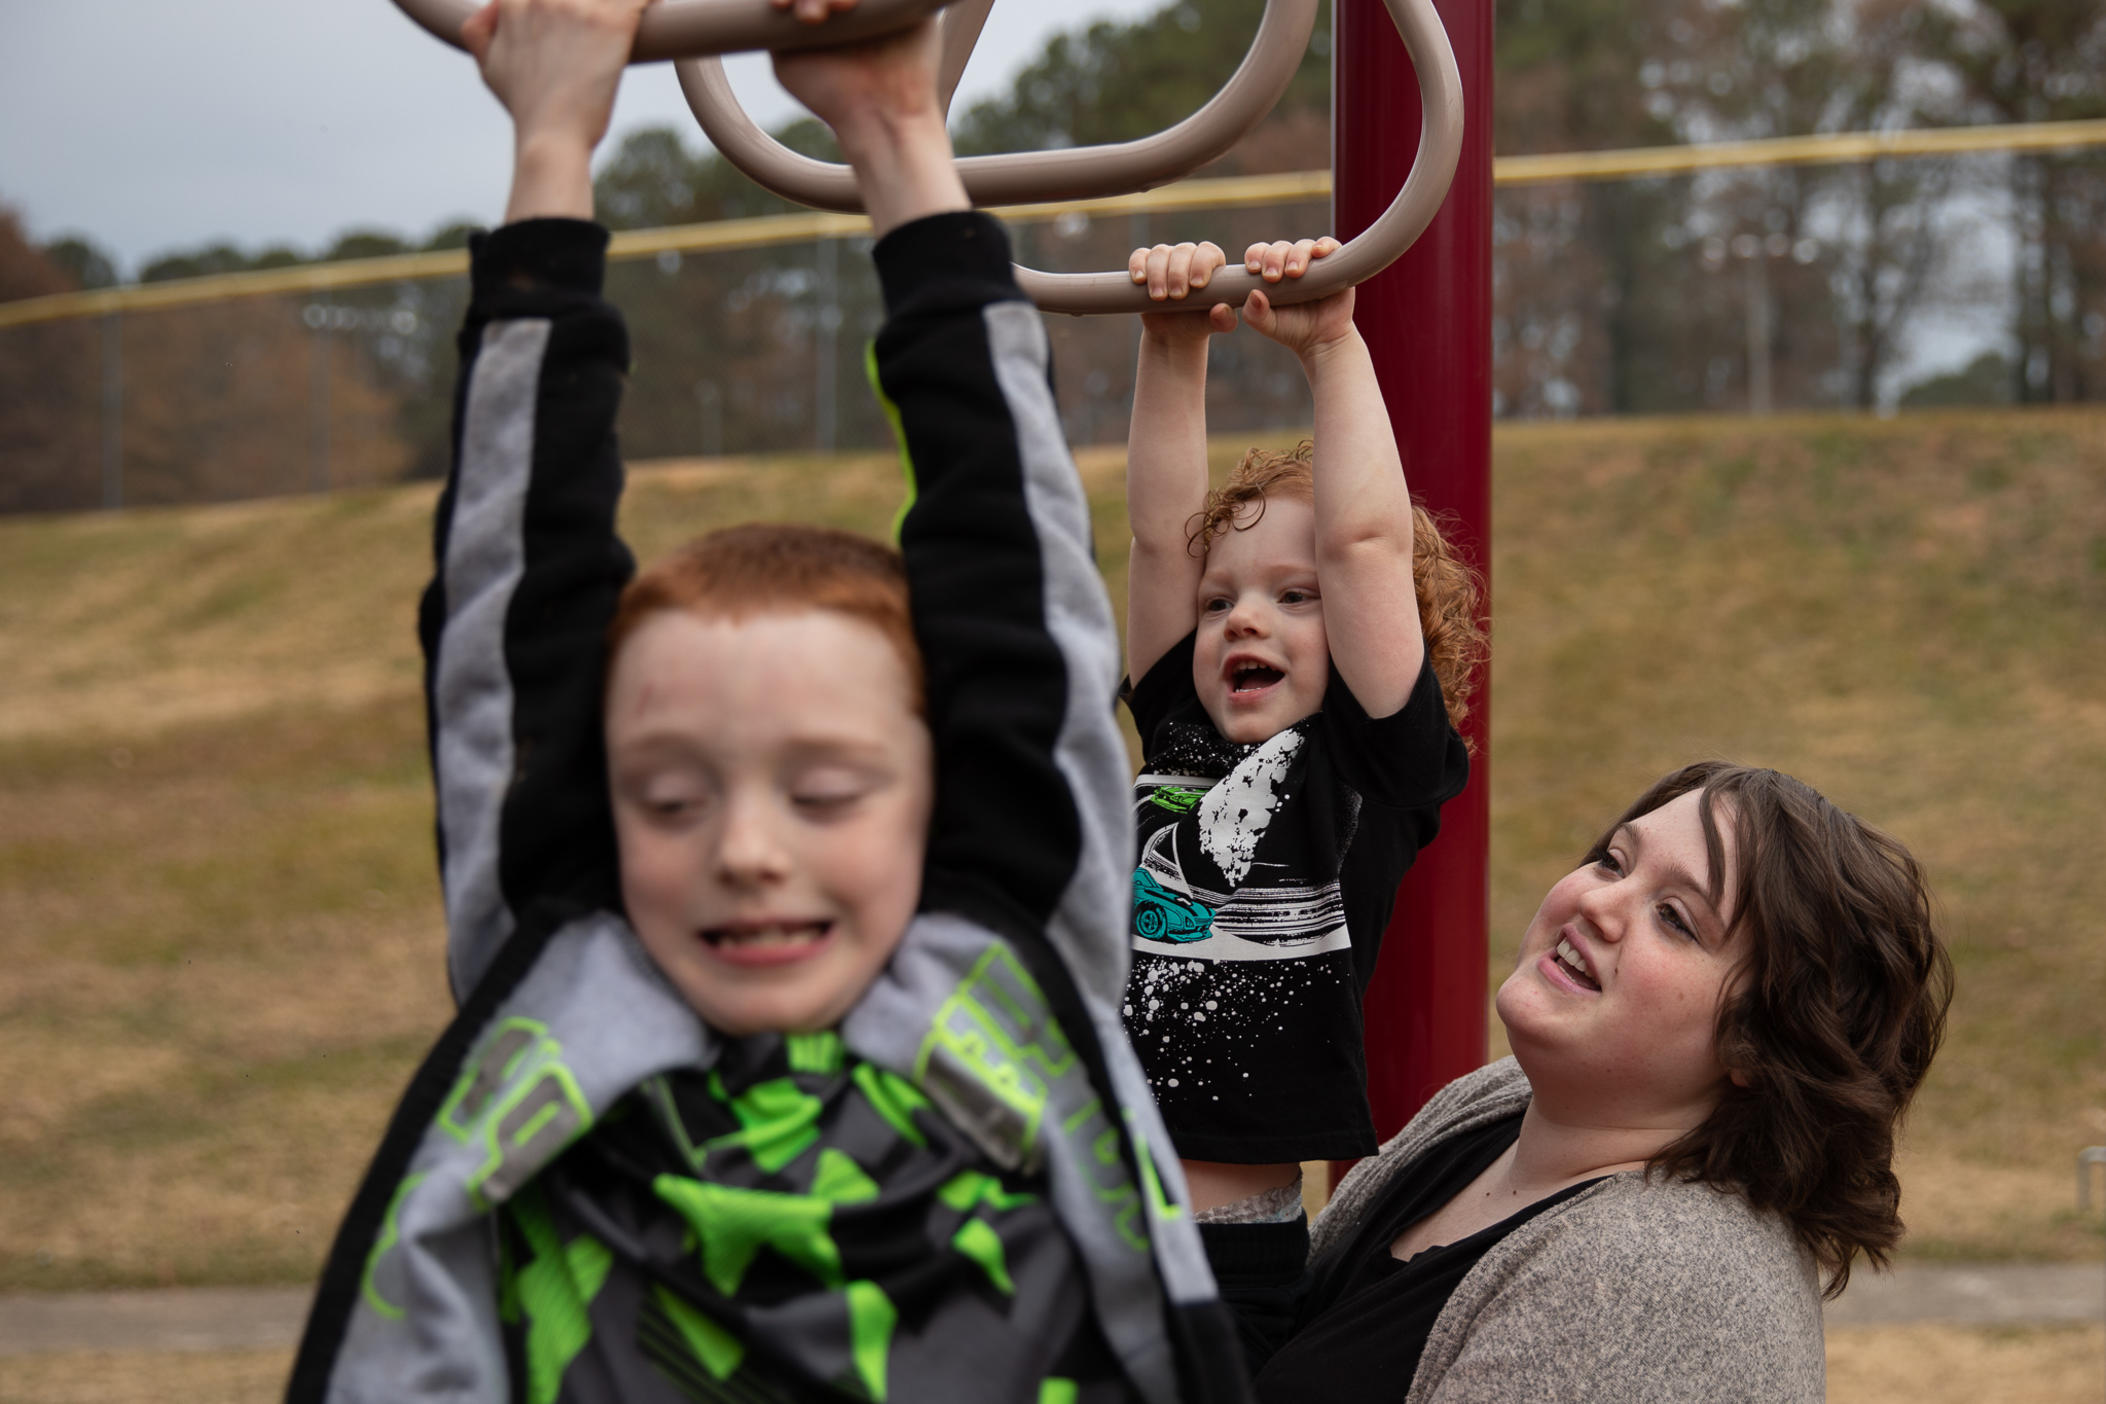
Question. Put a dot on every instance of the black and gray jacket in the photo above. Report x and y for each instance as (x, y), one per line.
(1001, 1003)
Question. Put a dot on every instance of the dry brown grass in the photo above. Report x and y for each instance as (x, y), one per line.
(1946, 1365)
(206, 1377)
(220, 952)
(1910, 614)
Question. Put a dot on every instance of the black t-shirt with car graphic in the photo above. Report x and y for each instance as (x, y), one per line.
(1265, 879)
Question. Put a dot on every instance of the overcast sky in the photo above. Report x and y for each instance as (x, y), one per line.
(151, 125)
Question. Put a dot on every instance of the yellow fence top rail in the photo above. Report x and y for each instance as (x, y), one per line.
(1828, 149)
(1229, 193)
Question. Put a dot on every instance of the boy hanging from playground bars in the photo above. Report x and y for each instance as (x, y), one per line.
(1299, 643)
(785, 883)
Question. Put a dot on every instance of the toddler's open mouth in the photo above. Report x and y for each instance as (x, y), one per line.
(1253, 677)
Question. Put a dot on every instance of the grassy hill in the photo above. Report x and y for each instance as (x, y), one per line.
(220, 948)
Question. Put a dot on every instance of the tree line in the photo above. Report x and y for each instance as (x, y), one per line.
(1803, 286)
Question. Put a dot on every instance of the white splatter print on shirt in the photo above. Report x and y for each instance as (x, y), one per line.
(1235, 813)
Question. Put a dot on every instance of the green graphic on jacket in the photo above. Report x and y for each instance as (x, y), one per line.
(795, 1224)
(1162, 915)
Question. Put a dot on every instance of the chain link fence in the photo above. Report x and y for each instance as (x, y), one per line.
(1889, 283)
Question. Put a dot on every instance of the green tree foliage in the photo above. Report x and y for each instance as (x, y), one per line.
(1115, 82)
(1570, 73)
(1986, 380)
(1790, 67)
(449, 236)
(365, 243)
(49, 384)
(196, 263)
(1634, 296)
(1582, 303)
(653, 179)
(224, 257)
(82, 260)
(2045, 61)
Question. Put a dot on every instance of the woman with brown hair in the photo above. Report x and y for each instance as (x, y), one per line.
(1717, 1020)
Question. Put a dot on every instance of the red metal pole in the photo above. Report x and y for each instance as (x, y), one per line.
(1428, 321)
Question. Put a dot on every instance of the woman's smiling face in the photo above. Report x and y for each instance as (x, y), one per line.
(1613, 1007)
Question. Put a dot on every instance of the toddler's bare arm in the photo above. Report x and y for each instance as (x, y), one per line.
(1166, 450)
(1363, 505)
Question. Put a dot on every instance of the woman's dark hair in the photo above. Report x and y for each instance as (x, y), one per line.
(1840, 1007)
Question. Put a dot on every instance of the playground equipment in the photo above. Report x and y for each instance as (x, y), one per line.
(1427, 321)
(699, 31)
(680, 28)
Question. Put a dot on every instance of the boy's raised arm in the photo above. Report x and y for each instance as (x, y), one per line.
(1363, 505)
(1029, 834)
(880, 99)
(555, 65)
(1166, 450)
(528, 566)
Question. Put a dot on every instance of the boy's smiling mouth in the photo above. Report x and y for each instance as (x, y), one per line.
(767, 941)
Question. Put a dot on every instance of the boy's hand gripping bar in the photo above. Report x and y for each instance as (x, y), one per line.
(1074, 173)
(686, 28)
(698, 30)
(1077, 173)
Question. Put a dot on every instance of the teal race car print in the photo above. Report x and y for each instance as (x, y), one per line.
(1162, 915)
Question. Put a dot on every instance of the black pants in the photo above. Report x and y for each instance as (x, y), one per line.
(1261, 1270)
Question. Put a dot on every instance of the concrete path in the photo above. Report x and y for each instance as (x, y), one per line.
(264, 1318)
(166, 1319)
(1984, 1294)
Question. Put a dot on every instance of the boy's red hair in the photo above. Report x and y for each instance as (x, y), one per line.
(1448, 590)
(777, 568)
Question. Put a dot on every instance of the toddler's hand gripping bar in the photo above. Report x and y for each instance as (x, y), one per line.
(1091, 171)
(685, 28)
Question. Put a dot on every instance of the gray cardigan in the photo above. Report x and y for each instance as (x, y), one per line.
(1630, 1290)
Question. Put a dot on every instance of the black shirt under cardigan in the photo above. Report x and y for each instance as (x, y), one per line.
(1365, 1315)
